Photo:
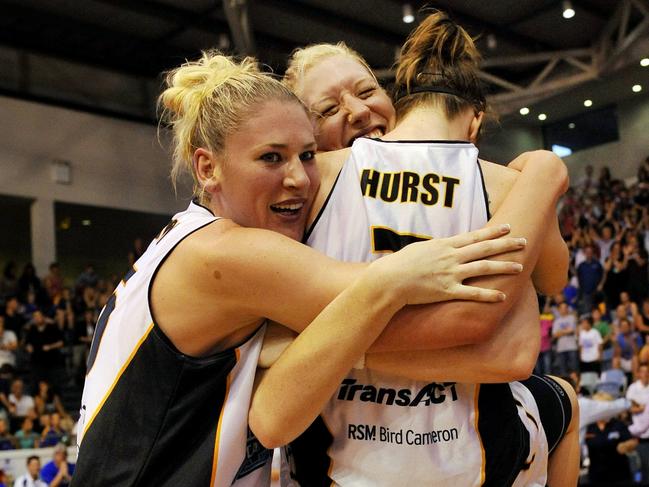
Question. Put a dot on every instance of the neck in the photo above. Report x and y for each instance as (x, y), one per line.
(428, 123)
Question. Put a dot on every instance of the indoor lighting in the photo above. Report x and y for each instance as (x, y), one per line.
(588, 103)
(644, 62)
(637, 88)
(568, 11)
(524, 111)
(408, 15)
(492, 42)
(571, 125)
(542, 116)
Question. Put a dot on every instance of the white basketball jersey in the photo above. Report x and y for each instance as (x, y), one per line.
(380, 430)
(154, 416)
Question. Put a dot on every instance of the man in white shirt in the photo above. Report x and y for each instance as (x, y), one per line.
(590, 346)
(8, 344)
(23, 403)
(32, 477)
(638, 393)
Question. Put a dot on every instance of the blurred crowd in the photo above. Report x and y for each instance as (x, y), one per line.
(45, 333)
(595, 332)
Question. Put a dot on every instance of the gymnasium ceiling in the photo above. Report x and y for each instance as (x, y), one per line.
(106, 55)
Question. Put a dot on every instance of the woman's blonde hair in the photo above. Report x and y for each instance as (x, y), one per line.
(442, 55)
(208, 99)
(304, 58)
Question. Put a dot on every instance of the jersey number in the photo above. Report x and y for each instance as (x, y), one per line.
(388, 240)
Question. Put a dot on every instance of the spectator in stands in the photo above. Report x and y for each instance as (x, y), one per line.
(636, 272)
(544, 362)
(64, 309)
(7, 440)
(590, 346)
(14, 320)
(608, 443)
(19, 404)
(52, 433)
(638, 394)
(48, 401)
(605, 331)
(8, 281)
(604, 239)
(80, 341)
(26, 436)
(29, 281)
(136, 252)
(589, 274)
(613, 381)
(53, 282)
(8, 345)
(58, 472)
(33, 476)
(44, 342)
(88, 278)
(627, 344)
(642, 318)
(564, 331)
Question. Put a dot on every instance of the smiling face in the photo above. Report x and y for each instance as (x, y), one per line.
(266, 176)
(347, 102)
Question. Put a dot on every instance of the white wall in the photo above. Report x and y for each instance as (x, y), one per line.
(115, 163)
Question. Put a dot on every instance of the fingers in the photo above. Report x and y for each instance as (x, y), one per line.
(480, 235)
(472, 293)
(488, 248)
(488, 268)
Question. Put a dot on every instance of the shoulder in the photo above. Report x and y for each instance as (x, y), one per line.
(498, 180)
(329, 166)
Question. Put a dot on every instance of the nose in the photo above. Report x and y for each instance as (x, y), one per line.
(358, 112)
(296, 175)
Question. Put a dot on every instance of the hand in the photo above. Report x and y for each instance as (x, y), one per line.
(432, 271)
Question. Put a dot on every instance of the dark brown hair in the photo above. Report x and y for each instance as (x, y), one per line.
(440, 59)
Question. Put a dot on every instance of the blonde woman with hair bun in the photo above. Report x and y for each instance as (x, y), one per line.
(173, 358)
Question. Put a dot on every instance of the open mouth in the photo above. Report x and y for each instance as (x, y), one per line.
(287, 209)
(371, 134)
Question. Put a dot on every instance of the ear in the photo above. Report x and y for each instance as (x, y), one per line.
(207, 169)
(474, 128)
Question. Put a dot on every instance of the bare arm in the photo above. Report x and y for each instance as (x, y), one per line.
(509, 355)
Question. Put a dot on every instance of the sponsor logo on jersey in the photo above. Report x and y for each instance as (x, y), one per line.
(430, 394)
(408, 187)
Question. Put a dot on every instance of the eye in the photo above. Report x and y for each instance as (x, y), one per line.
(366, 93)
(329, 111)
(271, 157)
(307, 156)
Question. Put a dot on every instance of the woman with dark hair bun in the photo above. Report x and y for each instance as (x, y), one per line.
(418, 417)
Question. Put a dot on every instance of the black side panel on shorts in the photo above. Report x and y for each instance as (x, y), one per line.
(308, 456)
(554, 406)
(505, 440)
(158, 425)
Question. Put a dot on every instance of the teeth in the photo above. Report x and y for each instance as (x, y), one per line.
(377, 132)
(290, 207)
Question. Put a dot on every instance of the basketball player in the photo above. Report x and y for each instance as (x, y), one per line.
(380, 430)
(171, 366)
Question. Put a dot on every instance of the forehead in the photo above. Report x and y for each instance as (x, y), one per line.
(331, 75)
(272, 122)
